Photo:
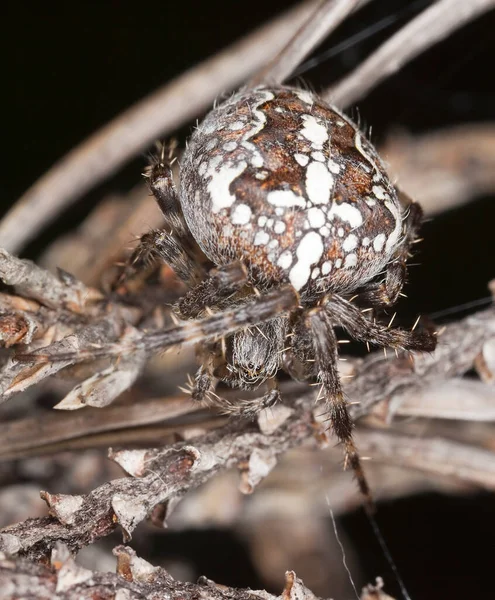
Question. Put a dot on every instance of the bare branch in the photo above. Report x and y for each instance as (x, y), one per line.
(457, 349)
(430, 27)
(326, 18)
(432, 455)
(160, 113)
(136, 579)
(102, 388)
(34, 282)
(160, 476)
(446, 168)
(17, 376)
(34, 433)
(456, 398)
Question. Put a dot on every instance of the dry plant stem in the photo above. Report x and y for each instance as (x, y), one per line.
(430, 455)
(431, 26)
(15, 377)
(36, 432)
(320, 24)
(136, 579)
(160, 476)
(159, 114)
(458, 399)
(378, 378)
(457, 349)
(446, 168)
(38, 284)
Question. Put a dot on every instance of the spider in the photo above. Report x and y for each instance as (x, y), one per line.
(284, 225)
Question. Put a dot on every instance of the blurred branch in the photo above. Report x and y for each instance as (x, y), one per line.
(195, 90)
(430, 27)
(105, 237)
(32, 434)
(135, 579)
(438, 456)
(326, 18)
(157, 115)
(444, 169)
(456, 399)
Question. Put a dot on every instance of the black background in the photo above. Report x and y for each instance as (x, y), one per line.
(70, 68)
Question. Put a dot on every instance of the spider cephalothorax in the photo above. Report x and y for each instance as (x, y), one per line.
(284, 211)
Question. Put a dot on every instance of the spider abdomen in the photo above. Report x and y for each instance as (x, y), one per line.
(285, 183)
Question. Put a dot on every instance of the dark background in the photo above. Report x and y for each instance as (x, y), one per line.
(71, 68)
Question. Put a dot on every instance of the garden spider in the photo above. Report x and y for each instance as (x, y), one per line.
(284, 225)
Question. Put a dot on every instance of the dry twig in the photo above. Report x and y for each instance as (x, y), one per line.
(444, 169)
(158, 114)
(162, 476)
(135, 579)
(431, 26)
(320, 24)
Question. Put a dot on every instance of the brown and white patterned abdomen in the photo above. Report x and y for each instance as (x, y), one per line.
(288, 185)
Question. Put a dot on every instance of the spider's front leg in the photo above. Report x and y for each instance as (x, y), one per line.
(160, 245)
(347, 315)
(325, 350)
(213, 291)
(173, 244)
(386, 293)
(204, 382)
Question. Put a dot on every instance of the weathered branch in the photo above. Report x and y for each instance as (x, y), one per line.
(431, 26)
(33, 434)
(157, 115)
(36, 283)
(438, 456)
(136, 579)
(160, 476)
(325, 19)
(444, 169)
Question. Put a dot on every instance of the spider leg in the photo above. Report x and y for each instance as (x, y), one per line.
(325, 347)
(350, 317)
(256, 310)
(213, 366)
(386, 293)
(173, 244)
(220, 284)
(162, 246)
(249, 408)
(160, 181)
(204, 382)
